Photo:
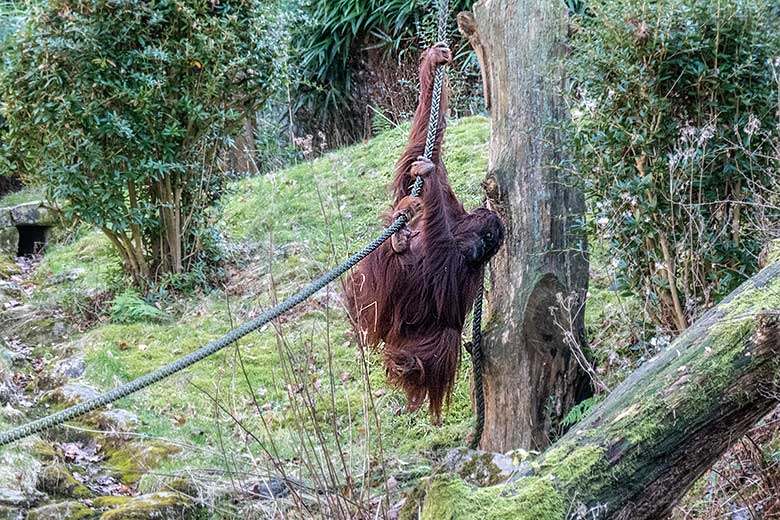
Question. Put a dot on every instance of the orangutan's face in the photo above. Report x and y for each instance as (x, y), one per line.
(480, 234)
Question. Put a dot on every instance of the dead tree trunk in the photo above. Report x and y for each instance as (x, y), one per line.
(531, 377)
(656, 434)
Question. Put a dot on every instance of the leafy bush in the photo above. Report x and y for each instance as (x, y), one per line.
(360, 53)
(11, 15)
(674, 113)
(123, 106)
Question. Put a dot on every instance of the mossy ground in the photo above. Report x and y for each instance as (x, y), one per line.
(536, 499)
(129, 462)
(155, 505)
(260, 399)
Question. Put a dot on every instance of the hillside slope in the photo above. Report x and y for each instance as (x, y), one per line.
(296, 399)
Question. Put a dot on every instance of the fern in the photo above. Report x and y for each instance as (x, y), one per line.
(379, 122)
(129, 307)
(581, 410)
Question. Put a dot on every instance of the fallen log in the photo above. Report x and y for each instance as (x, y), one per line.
(639, 451)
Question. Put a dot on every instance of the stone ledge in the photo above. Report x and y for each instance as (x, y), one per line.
(31, 214)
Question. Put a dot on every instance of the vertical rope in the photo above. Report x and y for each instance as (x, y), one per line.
(476, 326)
(433, 120)
(438, 82)
(443, 19)
(476, 361)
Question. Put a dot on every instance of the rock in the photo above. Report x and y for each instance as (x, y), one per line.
(59, 330)
(10, 290)
(117, 420)
(11, 414)
(70, 368)
(7, 391)
(67, 276)
(44, 332)
(18, 358)
(7, 387)
(72, 393)
(9, 241)
(12, 496)
(132, 460)
(57, 480)
(109, 502)
(480, 468)
(70, 510)
(43, 450)
(212, 489)
(6, 355)
(10, 513)
(32, 214)
(268, 489)
(15, 313)
(18, 476)
(187, 485)
(165, 504)
(5, 217)
(30, 325)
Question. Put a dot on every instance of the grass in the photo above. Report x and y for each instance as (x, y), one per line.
(297, 396)
(348, 185)
(260, 399)
(77, 268)
(28, 194)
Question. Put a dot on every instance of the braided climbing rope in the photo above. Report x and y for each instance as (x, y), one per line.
(56, 419)
(476, 362)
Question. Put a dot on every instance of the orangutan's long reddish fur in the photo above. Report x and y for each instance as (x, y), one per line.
(414, 292)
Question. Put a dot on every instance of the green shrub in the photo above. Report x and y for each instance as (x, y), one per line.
(124, 106)
(11, 15)
(674, 124)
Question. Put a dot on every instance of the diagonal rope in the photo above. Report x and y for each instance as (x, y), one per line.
(56, 419)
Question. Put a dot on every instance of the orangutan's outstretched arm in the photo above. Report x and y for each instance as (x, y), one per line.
(434, 57)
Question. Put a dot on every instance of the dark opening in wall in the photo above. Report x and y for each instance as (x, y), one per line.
(9, 185)
(32, 239)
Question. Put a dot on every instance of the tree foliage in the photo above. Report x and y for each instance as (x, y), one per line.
(675, 110)
(337, 41)
(11, 15)
(123, 107)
